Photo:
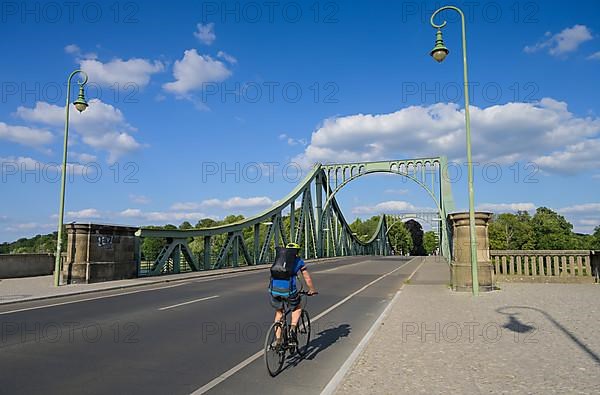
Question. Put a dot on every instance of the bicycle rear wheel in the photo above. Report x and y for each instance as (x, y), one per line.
(303, 333)
(274, 349)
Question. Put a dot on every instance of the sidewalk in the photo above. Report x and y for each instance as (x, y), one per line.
(524, 338)
(13, 290)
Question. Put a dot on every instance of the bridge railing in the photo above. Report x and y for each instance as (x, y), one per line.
(542, 263)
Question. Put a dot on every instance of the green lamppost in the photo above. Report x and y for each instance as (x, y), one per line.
(439, 53)
(80, 104)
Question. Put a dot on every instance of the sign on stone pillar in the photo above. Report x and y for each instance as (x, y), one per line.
(462, 279)
(97, 252)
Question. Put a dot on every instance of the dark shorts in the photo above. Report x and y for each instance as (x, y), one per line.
(277, 301)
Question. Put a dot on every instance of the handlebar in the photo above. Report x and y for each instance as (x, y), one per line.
(307, 293)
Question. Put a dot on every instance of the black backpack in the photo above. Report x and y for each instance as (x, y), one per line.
(285, 262)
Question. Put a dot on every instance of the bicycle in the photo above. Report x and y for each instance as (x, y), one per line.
(276, 348)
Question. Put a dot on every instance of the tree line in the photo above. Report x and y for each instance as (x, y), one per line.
(545, 230)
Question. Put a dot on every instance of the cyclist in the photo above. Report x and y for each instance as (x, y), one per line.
(281, 289)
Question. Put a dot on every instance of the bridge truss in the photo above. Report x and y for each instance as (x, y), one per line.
(309, 215)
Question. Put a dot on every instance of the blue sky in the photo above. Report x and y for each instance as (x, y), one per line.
(174, 90)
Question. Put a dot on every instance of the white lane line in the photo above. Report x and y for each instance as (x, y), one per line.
(88, 299)
(341, 373)
(191, 301)
(224, 376)
(341, 267)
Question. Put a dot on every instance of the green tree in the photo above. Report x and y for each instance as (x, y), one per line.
(552, 231)
(511, 232)
(205, 223)
(185, 225)
(400, 238)
(430, 242)
(416, 232)
(365, 229)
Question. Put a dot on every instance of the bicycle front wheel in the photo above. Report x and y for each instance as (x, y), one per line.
(303, 333)
(274, 349)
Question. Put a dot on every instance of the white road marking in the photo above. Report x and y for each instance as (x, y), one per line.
(191, 301)
(224, 376)
(340, 267)
(88, 299)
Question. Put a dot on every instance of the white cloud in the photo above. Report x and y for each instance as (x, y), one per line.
(72, 49)
(161, 216)
(582, 208)
(205, 33)
(24, 135)
(594, 56)
(139, 199)
(506, 207)
(121, 72)
(83, 157)
(194, 70)
(389, 207)
(101, 126)
(292, 141)
(88, 213)
(573, 158)
(502, 133)
(239, 202)
(396, 191)
(234, 203)
(585, 217)
(227, 57)
(29, 226)
(564, 42)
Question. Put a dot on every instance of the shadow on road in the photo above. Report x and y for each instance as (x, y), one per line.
(517, 326)
(326, 338)
(320, 342)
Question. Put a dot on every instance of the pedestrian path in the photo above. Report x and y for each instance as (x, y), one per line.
(523, 338)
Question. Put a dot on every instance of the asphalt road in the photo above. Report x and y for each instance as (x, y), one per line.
(194, 336)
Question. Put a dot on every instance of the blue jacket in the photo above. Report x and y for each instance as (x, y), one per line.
(286, 287)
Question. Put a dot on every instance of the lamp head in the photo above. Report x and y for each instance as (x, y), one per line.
(80, 103)
(439, 52)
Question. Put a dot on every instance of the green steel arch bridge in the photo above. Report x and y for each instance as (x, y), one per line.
(309, 215)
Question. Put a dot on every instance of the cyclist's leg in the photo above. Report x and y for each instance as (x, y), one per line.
(277, 304)
(296, 316)
(296, 309)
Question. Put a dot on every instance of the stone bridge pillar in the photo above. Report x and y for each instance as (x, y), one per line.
(98, 253)
(461, 252)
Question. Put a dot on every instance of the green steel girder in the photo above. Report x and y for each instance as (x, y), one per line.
(173, 251)
(335, 238)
